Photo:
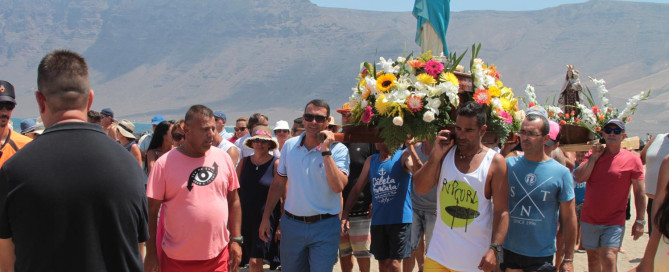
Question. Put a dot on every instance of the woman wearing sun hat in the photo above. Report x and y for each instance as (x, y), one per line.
(128, 140)
(256, 173)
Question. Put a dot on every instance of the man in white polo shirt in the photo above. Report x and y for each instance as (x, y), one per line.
(317, 170)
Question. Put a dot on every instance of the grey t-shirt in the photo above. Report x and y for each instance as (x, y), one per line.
(428, 201)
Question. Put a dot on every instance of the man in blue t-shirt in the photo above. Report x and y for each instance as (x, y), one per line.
(389, 177)
(539, 187)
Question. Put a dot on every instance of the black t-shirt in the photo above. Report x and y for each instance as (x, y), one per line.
(358, 153)
(74, 200)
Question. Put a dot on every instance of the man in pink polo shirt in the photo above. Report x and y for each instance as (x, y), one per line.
(197, 187)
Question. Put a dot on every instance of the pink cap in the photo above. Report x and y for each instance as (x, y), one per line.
(554, 131)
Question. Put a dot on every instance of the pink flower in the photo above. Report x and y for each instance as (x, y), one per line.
(434, 68)
(367, 115)
(506, 117)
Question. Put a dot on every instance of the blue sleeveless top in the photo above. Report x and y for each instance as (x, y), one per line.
(391, 197)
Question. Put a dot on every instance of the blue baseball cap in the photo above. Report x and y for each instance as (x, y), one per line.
(537, 110)
(615, 121)
(107, 112)
(220, 114)
(157, 119)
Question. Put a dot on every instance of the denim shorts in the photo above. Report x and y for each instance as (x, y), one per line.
(514, 260)
(596, 236)
(423, 223)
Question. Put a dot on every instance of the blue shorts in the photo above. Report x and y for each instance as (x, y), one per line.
(596, 236)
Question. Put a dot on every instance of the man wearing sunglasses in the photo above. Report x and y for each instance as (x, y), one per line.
(10, 141)
(609, 172)
(317, 168)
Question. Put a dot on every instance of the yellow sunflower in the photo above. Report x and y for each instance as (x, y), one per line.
(426, 79)
(385, 82)
(449, 77)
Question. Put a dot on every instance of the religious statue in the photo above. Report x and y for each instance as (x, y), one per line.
(571, 91)
(432, 17)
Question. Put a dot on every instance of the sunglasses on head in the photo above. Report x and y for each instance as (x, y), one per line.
(240, 128)
(7, 105)
(177, 136)
(614, 130)
(310, 118)
(281, 131)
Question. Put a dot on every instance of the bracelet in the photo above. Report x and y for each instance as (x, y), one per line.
(326, 153)
(567, 260)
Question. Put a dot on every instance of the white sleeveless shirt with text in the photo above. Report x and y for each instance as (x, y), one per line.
(463, 229)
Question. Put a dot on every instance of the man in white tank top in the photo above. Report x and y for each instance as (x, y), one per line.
(469, 229)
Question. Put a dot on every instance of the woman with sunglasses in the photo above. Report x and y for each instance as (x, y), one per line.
(160, 143)
(256, 173)
(282, 132)
(178, 134)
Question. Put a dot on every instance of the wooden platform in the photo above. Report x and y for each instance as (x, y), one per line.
(629, 144)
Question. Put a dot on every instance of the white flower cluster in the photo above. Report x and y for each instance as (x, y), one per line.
(587, 116)
(601, 89)
(531, 95)
(632, 103)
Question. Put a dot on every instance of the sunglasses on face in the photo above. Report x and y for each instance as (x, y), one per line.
(240, 128)
(177, 136)
(310, 118)
(7, 105)
(281, 131)
(615, 131)
(260, 141)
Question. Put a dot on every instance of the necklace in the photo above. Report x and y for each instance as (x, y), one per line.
(461, 156)
(263, 160)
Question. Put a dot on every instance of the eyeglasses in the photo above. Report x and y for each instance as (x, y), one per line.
(529, 133)
(310, 118)
(177, 136)
(281, 131)
(240, 128)
(7, 105)
(615, 131)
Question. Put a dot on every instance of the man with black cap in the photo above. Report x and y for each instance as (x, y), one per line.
(10, 141)
(107, 123)
(609, 172)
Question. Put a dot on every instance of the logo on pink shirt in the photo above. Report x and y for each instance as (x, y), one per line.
(202, 176)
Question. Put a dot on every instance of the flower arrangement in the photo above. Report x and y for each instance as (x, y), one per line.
(417, 95)
(592, 116)
(407, 96)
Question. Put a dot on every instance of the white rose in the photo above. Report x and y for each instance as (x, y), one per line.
(398, 121)
(401, 59)
(428, 116)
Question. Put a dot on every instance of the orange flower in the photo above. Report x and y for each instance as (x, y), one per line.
(629, 119)
(566, 115)
(482, 97)
(563, 122)
(416, 63)
(598, 129)
(577, 119)
(530, 105)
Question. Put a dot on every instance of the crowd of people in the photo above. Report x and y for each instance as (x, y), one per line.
(189, 196)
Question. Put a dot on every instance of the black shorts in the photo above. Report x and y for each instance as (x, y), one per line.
(391, 241)
(513, 260)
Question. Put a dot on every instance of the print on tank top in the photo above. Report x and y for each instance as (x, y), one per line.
(385, 188)
(521, 212)
(459, 204)
(202, 176)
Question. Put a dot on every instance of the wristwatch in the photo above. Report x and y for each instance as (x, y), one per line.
(641, 221)
(326, 153)
(496, 248)
(239, 240)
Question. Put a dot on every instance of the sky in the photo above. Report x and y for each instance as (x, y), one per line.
(456, 5)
